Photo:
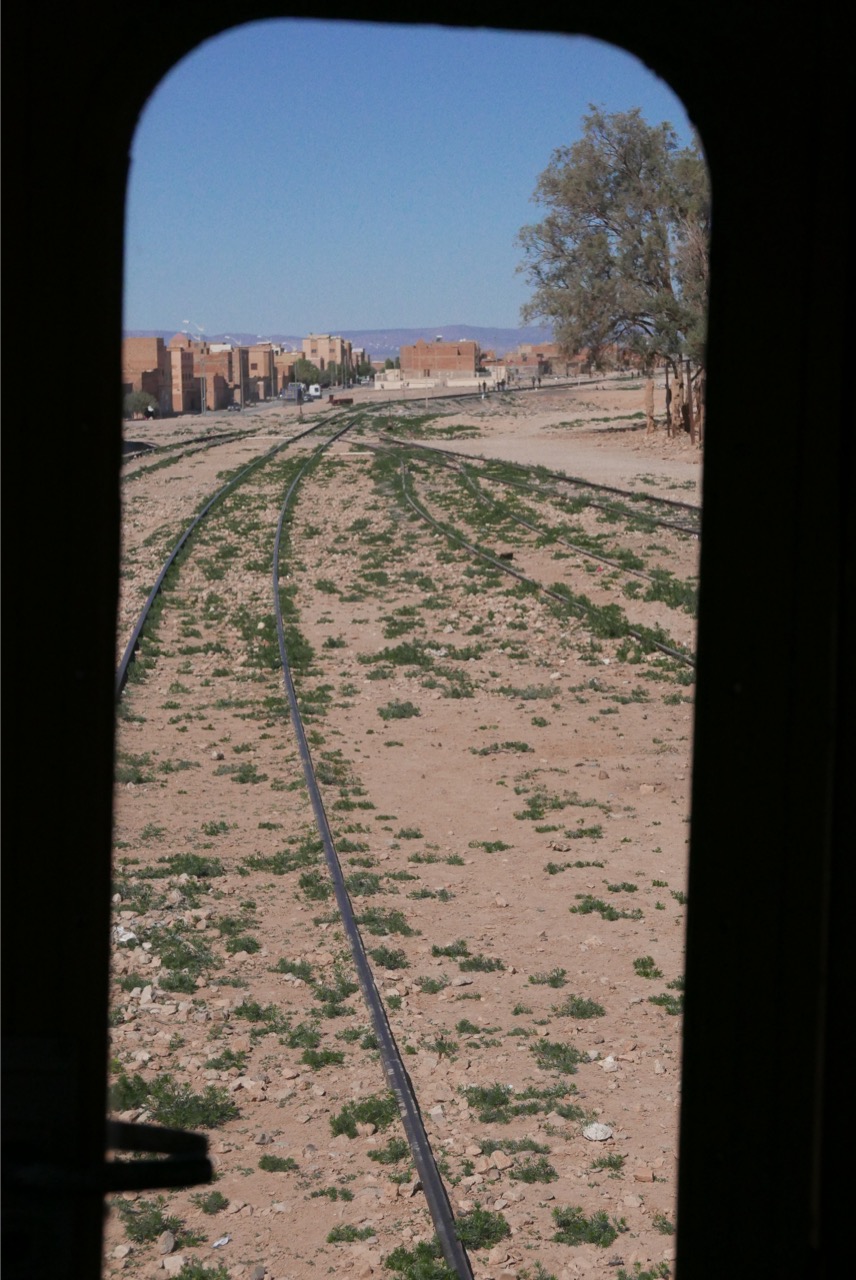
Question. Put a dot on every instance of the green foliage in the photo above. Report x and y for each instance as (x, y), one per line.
(334, 994)
(498, 1104)
(423, 1262)
(297, 968)
(454, 951)
(554, 868)
(394, 1152)
(621, 257)
(346, 1234)
(662, 1224)
(646, 968)
(481, 1228)
(576, 1228)
(316, 885)
(177, 1107)
(139, 402)
(145, 1220)
(396, 710)
(379, 1109)
(513, 1145)
(132, 768)
(539, 1170)
(213, 1202)
(306, 372)
(277, 1164)
(672, 1004)
(227, 1059)
(614, 1162)
(363, 884)
(589, 904)
(173, 1105)
(198, 1271)
(579, 1007)
(467, 1028)
(332, 1193)
(318, 1058)
(386, 958)
(382, 923)
(553, 1056)
(431, 986)
(480, 964)
(555, 978)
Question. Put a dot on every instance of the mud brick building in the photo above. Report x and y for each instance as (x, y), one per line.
(323, 349)
(440, 360)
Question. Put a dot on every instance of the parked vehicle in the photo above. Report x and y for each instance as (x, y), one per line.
(314, 392)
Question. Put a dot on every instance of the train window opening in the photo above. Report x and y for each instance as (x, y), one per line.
(489, 591)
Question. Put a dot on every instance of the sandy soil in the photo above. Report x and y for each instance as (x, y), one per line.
(487, 794)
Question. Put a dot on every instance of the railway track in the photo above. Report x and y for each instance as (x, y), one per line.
(631, 507)
(386, 629)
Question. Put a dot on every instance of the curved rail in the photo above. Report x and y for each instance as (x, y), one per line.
(393, 1065)
(563, 479)
(577, 605)
(130, 648)
(590, 555)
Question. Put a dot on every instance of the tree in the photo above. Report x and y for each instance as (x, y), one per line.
(621, 258)
(306, 372)
(139, 402)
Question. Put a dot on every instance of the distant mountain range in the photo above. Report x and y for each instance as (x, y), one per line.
(383, 344)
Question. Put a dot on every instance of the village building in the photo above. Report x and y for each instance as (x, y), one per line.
(323, 350)
(146, 366)
(439, 361)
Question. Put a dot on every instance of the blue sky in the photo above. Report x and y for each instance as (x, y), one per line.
(296, 175)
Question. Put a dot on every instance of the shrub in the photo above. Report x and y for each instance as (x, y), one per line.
(379, 1110)
(576, 1228)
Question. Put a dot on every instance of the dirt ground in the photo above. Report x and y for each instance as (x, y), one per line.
(482, 799)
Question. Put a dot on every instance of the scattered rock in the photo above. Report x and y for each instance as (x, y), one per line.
(166, 1242)
(597, 1132)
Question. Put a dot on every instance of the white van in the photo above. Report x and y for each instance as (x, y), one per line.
(314, 392)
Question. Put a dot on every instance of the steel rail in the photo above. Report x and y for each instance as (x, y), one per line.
(563, 479)
(394, 1070)
(591, 555)
(130, 648)
(185, 444)
(533, 528)
(582, 609)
